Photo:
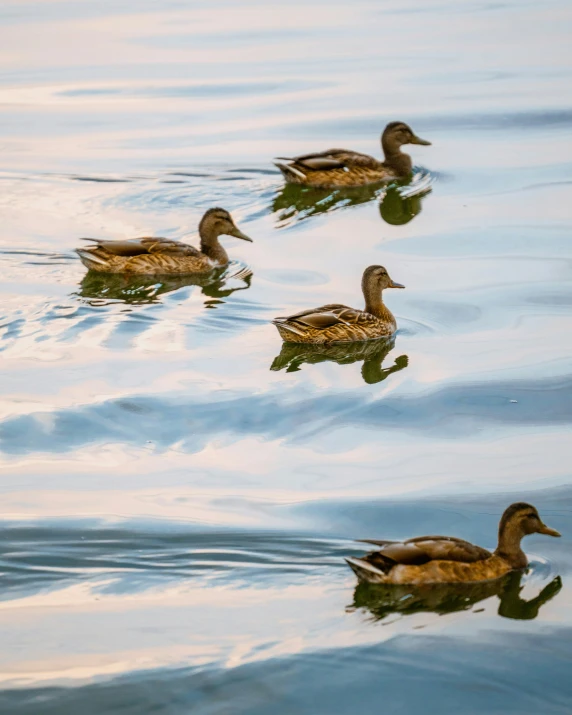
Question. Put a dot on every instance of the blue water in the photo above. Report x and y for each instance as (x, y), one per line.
(178, 489)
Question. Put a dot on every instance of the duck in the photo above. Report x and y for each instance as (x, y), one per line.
(335, 323)
(346, 168)
(164, 256)
(447, 559)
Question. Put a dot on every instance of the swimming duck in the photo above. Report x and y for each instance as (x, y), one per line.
(341, 167)
(163, 256)
(446, 559)
(336, 323)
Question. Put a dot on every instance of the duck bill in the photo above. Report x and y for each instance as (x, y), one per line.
(418, 140)
(237, 233)
(393, 284)
(548, 531)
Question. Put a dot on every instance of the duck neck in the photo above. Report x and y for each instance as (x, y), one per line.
(212, 248)
(375, 306)
(393, 157)
(509, 546)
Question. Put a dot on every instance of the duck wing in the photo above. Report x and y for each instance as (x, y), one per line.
(144, 245)
(422, 549)
(328, 315)
(331, 159)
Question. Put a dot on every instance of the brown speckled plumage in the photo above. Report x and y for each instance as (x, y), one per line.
(345, 168)
(337, 323)
(163, 256)
(446, 559)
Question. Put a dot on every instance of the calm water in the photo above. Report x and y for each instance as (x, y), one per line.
(178, 492)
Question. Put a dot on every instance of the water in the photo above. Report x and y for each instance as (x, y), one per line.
(178, 490)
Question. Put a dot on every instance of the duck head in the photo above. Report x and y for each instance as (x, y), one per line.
(519, 520)
(218, 222)
(376, 278)
(396, 135)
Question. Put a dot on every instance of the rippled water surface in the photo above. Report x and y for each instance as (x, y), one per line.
(178, 489)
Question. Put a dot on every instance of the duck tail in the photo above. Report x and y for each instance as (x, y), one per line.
(366, 571)
(290, 171)
(283, 324)
(90, 259)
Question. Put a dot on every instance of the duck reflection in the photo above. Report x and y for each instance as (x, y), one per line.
(103, 288)
(295, 202)
(399, 202)
(382, 600)
(397, 208)
(372, 353)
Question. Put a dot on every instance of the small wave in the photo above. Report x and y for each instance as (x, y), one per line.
(421, 183)
(51, 256)
(100, 179)
(39, 557)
